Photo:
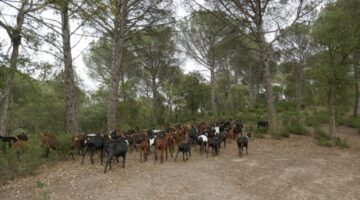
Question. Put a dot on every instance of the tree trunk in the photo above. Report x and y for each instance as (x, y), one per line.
(357, 87)
(331, 107)
(252, 88)
(212, 85)
(70, 99)
(6, 104)
(154, 101)
(16, 41)
(264, 50)
(271, 112)
(116, 75)
(298, 85)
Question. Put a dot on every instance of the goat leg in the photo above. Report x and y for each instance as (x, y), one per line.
(176, 155)
(84, 153)
(124, 158)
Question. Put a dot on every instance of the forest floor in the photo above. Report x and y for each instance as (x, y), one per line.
(293, 168)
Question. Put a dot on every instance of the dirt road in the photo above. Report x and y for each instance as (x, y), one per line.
(292, 168)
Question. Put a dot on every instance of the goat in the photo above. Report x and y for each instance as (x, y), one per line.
(93, 143)
(144, 150)
(48, 142)
(264, 124)
(238, 130)
(222, 138)
(185, 148)
(202, 140)
(243, 142)
(214, 143)
(116, 149)
(161, 144)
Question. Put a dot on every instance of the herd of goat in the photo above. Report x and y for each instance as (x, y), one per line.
(116, 144)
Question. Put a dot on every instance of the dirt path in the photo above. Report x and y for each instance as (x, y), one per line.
(292, 168)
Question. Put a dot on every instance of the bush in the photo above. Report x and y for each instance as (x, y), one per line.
(64, 148)
(32, 157)
(353, 122)
(316, 118)
(285, 106)
(297, 129)
(324, 139)
(259, 132)
(340, 143)
(292, 123)
(282, 134)
(11, 166)
(248, 116)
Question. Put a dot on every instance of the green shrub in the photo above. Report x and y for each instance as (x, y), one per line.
(340, 143)
(285, 106)
(260, 130)
(282, 134)
(31, 157)
(64, 148)
(292, 124)
(324, 139)
(316, 118)
(354, 122)
(297, 129)
(248, 116)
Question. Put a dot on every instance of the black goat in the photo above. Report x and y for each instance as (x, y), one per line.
(93, 143)
(185, 148)
(264, 124)
(116, 149)
(12, 139)
(222, 138)
(214, 143)
(238, 130)
(8, 139)
(243, 142)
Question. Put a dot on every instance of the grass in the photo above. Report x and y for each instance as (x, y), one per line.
(41, 185)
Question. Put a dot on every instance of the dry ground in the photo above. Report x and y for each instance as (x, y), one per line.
(292, 168)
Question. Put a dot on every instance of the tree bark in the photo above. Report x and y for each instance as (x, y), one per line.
(70, 99)
(118, 51)
(270, 104)
(271, 112)
(356, 112)
(298, 87)
(331, 107)
(264, 49)
(252, 88)
(212, 85)
(154, 101)
(15, 42)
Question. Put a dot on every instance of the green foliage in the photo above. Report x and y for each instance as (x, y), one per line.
(41, 185)
(30, 159)
(353, 122)
(259, 132)
(315, 118)
(32, 156)
(65, 144)
(323, 139)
